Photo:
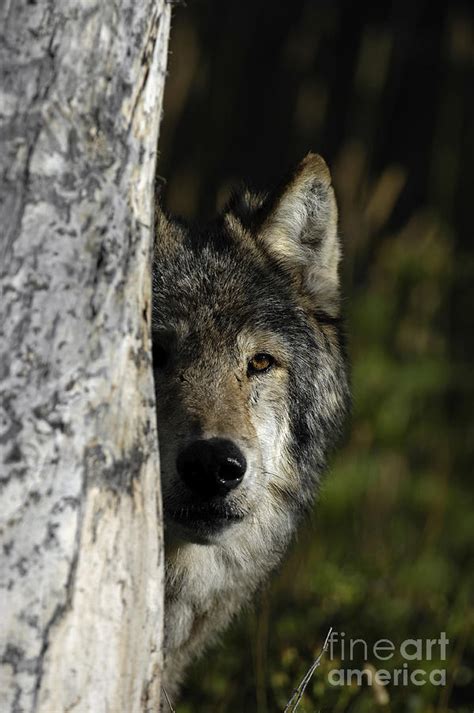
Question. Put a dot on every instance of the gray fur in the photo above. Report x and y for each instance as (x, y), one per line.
(261, 278)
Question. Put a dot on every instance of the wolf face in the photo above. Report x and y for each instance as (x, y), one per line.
(251, 388)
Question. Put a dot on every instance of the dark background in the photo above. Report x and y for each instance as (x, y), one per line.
(385, 93)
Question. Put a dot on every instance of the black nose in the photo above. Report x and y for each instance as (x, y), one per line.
(211, 467)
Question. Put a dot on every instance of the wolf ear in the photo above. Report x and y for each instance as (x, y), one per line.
(299, 229)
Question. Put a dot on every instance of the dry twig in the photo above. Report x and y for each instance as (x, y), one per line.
(298, 692)
(168, 700)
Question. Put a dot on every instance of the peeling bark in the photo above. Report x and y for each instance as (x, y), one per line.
(81, 577)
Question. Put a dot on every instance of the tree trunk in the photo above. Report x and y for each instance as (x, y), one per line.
(81, 579)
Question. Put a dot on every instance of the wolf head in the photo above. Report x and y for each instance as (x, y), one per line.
(250, 371)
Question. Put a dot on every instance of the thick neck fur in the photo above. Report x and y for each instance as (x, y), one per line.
(206, 585)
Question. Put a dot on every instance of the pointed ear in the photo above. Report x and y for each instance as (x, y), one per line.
(299, 229)
(246, 206)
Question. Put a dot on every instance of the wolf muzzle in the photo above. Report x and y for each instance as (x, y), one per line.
(211, 467)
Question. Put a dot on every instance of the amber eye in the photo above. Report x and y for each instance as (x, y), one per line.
(260, 363)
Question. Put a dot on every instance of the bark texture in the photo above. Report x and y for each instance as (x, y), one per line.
(81, 577)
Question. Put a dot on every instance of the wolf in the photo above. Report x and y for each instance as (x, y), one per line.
(252, 392)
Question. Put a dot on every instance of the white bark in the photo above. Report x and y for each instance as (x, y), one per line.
(81, 576)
